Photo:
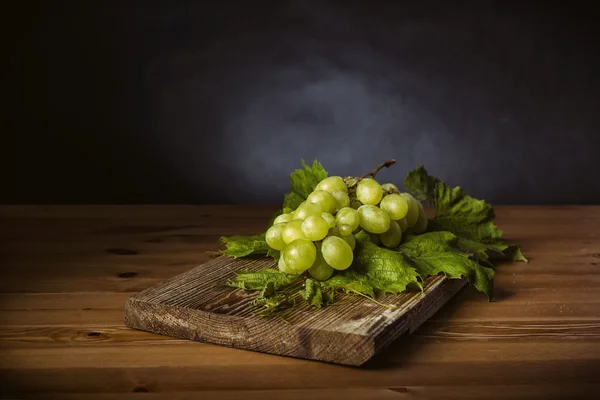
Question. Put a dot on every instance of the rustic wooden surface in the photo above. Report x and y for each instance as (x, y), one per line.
(195, 306)
(68, 270)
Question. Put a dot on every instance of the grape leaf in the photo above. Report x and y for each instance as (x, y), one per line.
(479, 251)
(274, 254)
(484, 253)
(259, 280)
(350, 281)
(455, 211)
(269, 290)
(388, 271)
(436, 252)
(242, 246)
(303, 182)
(459, 213)
(273, 305)
(514, 253)
(267, 302)
(314, 295)
(272, 284)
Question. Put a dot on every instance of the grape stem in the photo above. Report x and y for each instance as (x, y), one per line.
(372, 174)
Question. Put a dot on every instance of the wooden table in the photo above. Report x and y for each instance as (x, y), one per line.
(67, 270)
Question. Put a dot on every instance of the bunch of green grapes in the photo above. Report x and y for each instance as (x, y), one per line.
(318, 236)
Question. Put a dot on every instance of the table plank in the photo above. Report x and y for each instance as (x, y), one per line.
(500, 392)
(270, 376)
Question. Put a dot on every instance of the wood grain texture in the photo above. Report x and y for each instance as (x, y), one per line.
(195, 306)
(67, 271)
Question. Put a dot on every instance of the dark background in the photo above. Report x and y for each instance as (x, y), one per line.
(217, 101)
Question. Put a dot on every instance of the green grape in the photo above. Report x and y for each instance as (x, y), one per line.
(390, 188)
(348, 216)
(299, 255)
(325, 199)
(306, 210)
(332, 184)
(368, 191)
(392, 237)
(345, 230)
(315, 228)
(373, 219)
(274, 237)
(330, 219)
(395, 205)
(320, 270)
(413, 209)
(341, 199)
(350, 239)
(337, 253)
(284, 268)
(283, 218)
(422, 221)
(355, 204)
(292, 231)
(403, 224)
(375, 239)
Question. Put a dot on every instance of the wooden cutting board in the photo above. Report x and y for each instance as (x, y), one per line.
(196, 306)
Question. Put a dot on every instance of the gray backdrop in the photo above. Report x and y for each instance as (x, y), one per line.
(216, 102)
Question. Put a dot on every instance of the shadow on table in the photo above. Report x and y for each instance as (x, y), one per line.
(409, 345)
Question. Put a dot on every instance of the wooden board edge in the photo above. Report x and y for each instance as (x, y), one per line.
(147, 316)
